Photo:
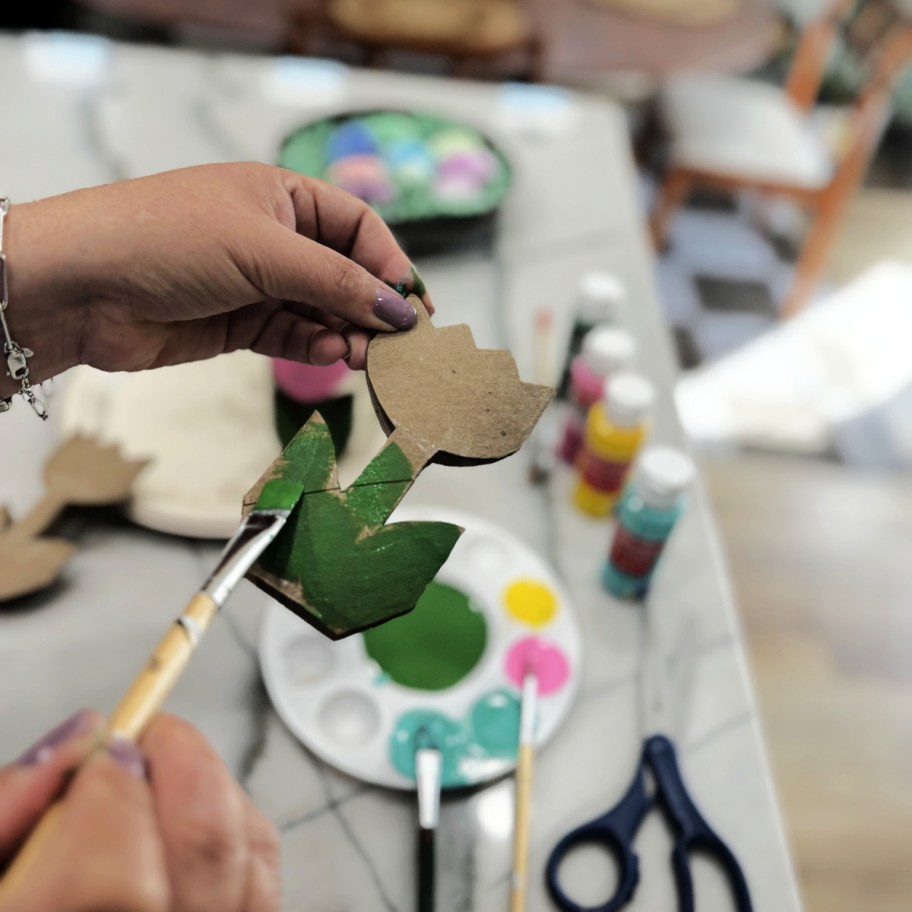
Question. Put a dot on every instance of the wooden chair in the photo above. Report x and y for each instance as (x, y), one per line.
(737, 134)
(462, 31)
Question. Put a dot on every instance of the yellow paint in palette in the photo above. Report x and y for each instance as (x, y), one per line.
(530, 602)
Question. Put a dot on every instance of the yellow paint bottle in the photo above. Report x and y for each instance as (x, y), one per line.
(616, 427)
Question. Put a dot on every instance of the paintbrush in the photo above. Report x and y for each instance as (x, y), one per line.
(164, 667)
(428, 774)
(524, 762)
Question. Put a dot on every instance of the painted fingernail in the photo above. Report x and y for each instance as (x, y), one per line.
(128, 755)
(43, 750)
(394, 309)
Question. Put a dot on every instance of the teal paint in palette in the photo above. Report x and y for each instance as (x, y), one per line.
(646, 515)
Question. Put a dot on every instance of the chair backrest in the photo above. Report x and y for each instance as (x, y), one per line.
(879, 37)
(808, 65)
(887, 54)
(864, 27)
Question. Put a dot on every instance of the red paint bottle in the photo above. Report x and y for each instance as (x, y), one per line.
(646, 515)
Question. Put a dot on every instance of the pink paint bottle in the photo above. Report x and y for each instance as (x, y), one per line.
(606, 351)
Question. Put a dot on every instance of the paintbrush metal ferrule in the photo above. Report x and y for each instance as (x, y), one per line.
(255, 535)
(428, 777)
(528, 708)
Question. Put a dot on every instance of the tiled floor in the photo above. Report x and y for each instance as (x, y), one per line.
(720, 280)
(721, 277)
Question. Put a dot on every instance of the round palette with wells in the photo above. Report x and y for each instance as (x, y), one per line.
(451, 669)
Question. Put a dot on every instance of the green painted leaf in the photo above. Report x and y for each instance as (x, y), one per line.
(343, 569)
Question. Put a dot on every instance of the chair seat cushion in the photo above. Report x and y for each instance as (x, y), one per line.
(479, 26)
(743, 129)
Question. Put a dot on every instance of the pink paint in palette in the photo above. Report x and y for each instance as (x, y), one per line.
(548, 661)
(358, 703)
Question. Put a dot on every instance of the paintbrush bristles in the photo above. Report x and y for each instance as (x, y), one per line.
(528, 709)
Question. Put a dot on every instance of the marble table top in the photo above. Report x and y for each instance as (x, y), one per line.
(89, 113)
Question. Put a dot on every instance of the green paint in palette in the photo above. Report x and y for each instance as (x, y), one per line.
(434, 646)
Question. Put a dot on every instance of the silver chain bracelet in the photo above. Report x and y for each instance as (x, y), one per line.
(16, 356)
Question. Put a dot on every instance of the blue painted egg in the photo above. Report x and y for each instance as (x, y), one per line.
(352, 138)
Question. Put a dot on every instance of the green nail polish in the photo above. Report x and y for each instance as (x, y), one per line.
(418, 283)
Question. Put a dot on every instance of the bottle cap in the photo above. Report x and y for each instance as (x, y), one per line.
(600, 297)
(627, 397)
(663, 473)
(607, 350)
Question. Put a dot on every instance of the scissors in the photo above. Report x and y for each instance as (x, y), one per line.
(617, 829)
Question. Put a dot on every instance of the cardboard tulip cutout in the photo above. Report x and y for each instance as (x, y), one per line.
(80, 472)
(440, 399)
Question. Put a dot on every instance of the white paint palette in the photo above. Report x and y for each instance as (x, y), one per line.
(346, 700)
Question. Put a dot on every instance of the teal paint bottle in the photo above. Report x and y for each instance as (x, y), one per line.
(646, 515)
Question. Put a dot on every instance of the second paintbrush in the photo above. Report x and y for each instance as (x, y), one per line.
(428, 777)
(524, 762)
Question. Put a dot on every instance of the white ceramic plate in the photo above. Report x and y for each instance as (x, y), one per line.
(342, 705)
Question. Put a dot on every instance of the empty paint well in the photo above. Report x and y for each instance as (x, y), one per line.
(487, 556)
(434, 646)
(308, 659)
(350, 718)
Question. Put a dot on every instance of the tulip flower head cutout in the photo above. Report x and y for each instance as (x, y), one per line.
(439, 398)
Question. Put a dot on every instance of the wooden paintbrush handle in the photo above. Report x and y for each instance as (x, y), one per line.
(151, 688)
(25, 859)
(144, 698)
(523, 800)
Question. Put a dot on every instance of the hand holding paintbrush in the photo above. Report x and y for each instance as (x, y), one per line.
(150, 690)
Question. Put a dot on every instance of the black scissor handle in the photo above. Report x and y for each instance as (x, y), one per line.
(693, 833)
(614, 831)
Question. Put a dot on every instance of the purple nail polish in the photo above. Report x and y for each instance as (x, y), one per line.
(43, 750)
(128, 755)
(394, 309)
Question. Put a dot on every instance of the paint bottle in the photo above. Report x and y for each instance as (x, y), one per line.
(646, 514)
(606, 351)
(302, 389)
(600, 300)
(616, 427)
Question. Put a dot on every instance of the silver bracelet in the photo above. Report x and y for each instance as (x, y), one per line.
(16, 356)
